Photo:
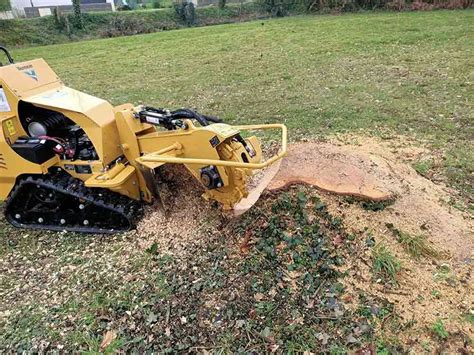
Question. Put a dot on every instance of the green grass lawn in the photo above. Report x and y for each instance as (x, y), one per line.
(372, 74)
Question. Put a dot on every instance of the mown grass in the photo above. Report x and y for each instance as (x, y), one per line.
(371, 74)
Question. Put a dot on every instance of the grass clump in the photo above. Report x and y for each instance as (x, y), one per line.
(439, 330)
(385, 265)
(415, 245)
(423, 167)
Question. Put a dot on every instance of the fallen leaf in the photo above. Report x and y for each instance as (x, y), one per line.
(337, 240)
(109, 337)
(367, 350)
(152, 318)
(252, 314)
(245, 246)
(274, 347)
(323, 337)
(351, 339)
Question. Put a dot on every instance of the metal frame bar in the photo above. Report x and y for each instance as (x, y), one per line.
(155, 157)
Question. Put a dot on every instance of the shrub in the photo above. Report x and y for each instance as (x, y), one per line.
(124, 8)
(5, 5)
(61, 21)
(76, 5)
(185, 12)
(277, 8)
(126, 26)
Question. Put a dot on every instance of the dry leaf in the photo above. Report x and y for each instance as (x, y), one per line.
(337, 240)
(274, 347)
(109, 337)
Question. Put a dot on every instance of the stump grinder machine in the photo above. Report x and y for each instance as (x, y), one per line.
(71, 161)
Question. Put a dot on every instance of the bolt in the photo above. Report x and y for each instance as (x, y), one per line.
(81, 206)
(40, 220)
(63, 221)
(17, 216)
(219, 184)
(86, 222)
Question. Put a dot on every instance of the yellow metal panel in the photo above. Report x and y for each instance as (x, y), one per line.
(65, 98)
(123, 181)
(128, 126)
(26, 76)
(94, 115)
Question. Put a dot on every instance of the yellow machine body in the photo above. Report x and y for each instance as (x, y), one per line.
(128, 150)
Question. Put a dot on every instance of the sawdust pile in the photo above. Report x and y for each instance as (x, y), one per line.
(182, 219)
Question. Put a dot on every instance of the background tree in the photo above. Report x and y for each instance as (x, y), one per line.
(5, 5)
(76, 5)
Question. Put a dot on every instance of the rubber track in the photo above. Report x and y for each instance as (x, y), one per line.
(129, 209)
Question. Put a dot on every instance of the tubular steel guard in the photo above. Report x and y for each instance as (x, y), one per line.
(154, 157)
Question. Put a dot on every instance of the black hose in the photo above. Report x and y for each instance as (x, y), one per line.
(213, 119)
(7, 53)
(168, 116)
(185, 113)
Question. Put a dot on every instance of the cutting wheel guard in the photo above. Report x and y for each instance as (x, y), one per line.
(156, 157)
